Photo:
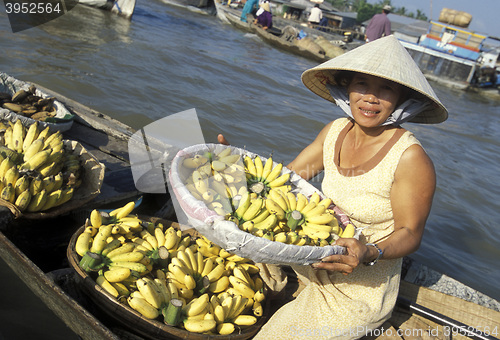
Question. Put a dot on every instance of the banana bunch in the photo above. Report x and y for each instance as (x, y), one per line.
(215, 178)
(286, 217)
(184, 288)
(36, 171)
(261, 177)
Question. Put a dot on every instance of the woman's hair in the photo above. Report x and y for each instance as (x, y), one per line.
(344, 78)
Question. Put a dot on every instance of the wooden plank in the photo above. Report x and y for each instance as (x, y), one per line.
(468, 313)
(71, 313)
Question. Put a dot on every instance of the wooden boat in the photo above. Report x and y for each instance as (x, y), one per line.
(451, 54)
(426, 306)
(206, 7)
(124, 8)
(274, 37)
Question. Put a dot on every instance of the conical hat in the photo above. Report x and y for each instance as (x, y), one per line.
(385, 58)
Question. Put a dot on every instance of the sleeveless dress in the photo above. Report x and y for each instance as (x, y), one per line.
(333, 305)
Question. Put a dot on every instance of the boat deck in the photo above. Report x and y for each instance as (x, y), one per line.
(36, 251)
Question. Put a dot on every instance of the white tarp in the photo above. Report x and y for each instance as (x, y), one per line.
(227, 235)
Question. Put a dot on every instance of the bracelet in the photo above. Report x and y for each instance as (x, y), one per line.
(380, 253)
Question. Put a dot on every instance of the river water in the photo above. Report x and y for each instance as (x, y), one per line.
(168, 59)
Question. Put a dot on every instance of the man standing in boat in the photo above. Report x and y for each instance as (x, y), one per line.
(250, 6)
(315, 16)
(379, 25)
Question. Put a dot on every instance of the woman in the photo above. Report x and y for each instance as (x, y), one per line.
(379, 175)
(264, 18)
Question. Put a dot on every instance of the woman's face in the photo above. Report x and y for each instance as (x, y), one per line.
(372, 99)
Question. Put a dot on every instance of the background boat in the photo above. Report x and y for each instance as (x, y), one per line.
(123, 8)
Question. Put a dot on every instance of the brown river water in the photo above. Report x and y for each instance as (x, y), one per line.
(167, 60)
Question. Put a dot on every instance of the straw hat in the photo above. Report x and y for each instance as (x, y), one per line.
(385, 58)
(387, 8)
(265, 6)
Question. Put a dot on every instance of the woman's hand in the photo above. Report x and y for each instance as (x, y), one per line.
(222, 140)
(357, 253)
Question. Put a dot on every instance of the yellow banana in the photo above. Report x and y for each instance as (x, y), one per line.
(253, 210)
(117, 274)
(6, 164)
(216, 273)
(8, 193)
(219, 285)
(143, 307)
(135, 266)
(133, 256)
(320, 218)
(279, 198)
(268, 167)
(171, 238)
(52, 199)
(82, 244)
(125, 210)
(36, 185)
(18, 133)
(245, 320)
(199, 326)
(44, 133)
(257, 309)
(268, 223)
(291, 201)
(225, 328)
(207, 266)
(349, 231)
(315, 197)
(241, 287)
(31, 136)
(250, 166)
(11, 176)
(274, 208)
(163, 289)
(275, 172)
(317, 210)
(196, 306)
(149, 291)
(259, 167)
(259, 296)
(36, 161)
(96, 218)
(99, 241)
(23, 199)
(279, 181)
(244, 204)
(101, 281)
(37, 201)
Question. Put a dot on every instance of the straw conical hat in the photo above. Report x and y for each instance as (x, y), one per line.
(385, 58)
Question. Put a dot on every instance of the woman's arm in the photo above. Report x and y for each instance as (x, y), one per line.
(411, 200)
(309, 162)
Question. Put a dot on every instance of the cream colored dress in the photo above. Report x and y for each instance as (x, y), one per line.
(333, 305)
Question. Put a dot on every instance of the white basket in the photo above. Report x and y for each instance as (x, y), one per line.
(227, 235)
(62, 120)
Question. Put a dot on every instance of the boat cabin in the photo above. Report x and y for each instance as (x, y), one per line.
(453, 40)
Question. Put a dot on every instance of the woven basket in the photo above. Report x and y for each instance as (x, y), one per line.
(62, 121)
(134, 321)
(227, 235)
(93, 176)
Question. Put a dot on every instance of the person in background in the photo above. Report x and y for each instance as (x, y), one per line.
(250, 6)
(264, 16)
(379, 175)
(379, 25)
(315, 16)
